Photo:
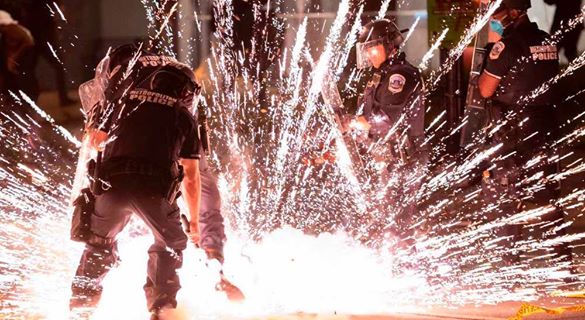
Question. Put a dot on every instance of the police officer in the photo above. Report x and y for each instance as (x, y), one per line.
(517, 64)
(392, 108)
(148, 137)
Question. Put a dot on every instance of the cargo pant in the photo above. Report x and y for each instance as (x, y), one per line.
(210, 219)
(503, 189)
(143, 196)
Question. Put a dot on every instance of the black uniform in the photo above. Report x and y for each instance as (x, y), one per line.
(523, 60)
(396, 91)
(394, 100)
(151, 128)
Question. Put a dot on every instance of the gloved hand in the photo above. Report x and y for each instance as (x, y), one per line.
(346, 120)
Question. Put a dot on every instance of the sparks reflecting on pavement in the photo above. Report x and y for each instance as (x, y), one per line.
(303, 237)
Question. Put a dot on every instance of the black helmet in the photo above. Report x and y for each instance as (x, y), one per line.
(382, 30)
(522, 5)
(159, 73)
(374, 33)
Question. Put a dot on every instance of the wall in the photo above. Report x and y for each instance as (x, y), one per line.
(417, 45)
(122, 19)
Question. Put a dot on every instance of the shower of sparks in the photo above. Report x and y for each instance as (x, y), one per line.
(425, 60)
(309, 230)
(54, 52)
(383, 9)
(58, 9)
(410, 32)
(478, 24)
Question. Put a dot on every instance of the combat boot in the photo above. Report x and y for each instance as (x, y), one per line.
(232, 292)
(162, 313)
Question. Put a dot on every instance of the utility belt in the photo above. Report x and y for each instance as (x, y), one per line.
(170, 177)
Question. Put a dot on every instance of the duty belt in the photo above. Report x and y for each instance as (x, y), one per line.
(134, 167)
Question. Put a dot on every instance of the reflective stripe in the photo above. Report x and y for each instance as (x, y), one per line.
(492, 75)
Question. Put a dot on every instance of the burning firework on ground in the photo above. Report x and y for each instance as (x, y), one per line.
(313, 228)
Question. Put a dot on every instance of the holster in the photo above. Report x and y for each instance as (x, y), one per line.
(174, 190)
(84, 207)
(95, 184)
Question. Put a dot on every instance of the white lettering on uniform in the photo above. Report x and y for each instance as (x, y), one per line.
(544, 53)
(151, 96)
(155, 61)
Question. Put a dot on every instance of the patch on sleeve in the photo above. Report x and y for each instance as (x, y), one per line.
(497, 50)
(396, 83)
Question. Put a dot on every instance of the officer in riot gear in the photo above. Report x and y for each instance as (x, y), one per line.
(392, 109)
(522, 117)
(147, 136)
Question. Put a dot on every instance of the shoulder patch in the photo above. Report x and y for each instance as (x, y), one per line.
(497, 50)
(396, 83)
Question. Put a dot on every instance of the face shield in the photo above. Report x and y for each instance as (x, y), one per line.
(364, 51)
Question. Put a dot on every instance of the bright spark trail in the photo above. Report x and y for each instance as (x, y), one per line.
(303, 236)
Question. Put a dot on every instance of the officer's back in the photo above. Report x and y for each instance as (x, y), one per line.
(152, 129)
(149, 122)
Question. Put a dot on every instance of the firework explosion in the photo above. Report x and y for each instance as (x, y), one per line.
(311, 236)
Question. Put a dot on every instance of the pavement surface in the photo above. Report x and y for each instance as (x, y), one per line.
(503, 311)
